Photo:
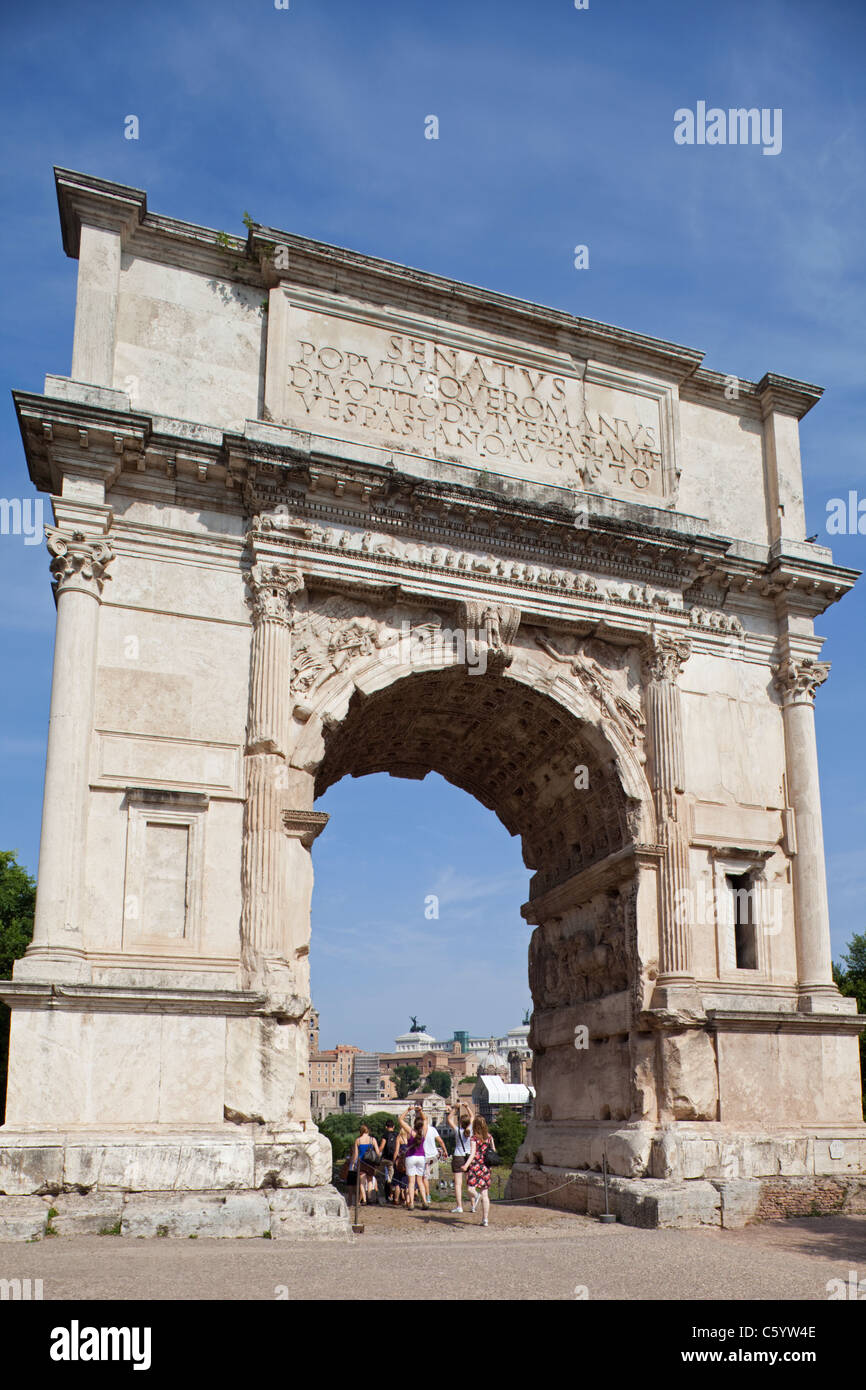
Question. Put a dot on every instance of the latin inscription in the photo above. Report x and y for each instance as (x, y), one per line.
(424, 396)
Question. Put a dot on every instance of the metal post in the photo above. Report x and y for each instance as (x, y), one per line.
(607, 1216)
(357, 1229)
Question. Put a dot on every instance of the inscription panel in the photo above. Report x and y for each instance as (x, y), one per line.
(436, 391)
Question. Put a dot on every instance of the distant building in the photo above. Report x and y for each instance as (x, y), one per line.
(314, 1031)
(414, 1042)
(332, 1078)
(474, 1048)
(493, 1062)
(370, 1087)
(519, 1069)
(491, 1093)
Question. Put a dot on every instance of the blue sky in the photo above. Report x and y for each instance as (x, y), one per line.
(556, 129)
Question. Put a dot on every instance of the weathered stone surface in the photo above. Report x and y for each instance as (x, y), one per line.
(635, 1201)
(309, 1214)
(229, 1215)
(628, 1152)
(30, 1168)
(691, 1086)
(660, 1204)
(305, 1162)
(23, 1218)
(176, 1165)
(740, 1199)
(91, 1214)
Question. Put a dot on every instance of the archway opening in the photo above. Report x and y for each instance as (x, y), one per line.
(553, 780)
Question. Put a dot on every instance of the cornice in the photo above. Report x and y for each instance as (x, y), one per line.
(130, 999)
(783, 395)
(83, 199)
(95, 437)
(337, 270)
(781, 1021)
(771, 394)
(64, 436)
(705, 387)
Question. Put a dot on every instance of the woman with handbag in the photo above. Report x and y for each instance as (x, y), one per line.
(477, 1170)
(462, 1123)
(365, 1156)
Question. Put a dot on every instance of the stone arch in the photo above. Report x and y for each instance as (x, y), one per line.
(530, 680)
(512, 738)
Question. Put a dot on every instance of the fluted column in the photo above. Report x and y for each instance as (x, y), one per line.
(265, 861)
(663, 660)
(796, 681)
(79, 564)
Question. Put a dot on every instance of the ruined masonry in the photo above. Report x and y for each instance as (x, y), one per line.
(319, 515)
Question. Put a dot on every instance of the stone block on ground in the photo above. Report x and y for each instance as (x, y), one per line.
(22, 1218)
(308, 1214)
(739, 1202)
(89, 1214)
(183, 1214)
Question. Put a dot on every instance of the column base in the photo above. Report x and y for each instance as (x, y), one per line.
(174, 1184)
(824, 999)
(654, 1203)
(53, 965)
(678, 994)
(310, 1213)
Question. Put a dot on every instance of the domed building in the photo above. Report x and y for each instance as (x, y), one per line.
(494, 1064)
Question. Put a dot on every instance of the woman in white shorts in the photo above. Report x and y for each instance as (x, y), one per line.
(415, 1158)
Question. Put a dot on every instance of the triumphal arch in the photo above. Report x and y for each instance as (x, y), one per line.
(316, 515)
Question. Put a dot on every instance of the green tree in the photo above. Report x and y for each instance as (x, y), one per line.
(17, 905)
(377, 1120)
(405, 1078)
(342, 1131)
(850, 976)
(508, 1133)
(440, 1082)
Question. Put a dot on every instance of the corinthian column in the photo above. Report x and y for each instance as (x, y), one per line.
(797, 680)
(663, 660)
(264, 934)
(79, 564)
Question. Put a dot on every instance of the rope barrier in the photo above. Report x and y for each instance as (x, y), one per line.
(513, 1201)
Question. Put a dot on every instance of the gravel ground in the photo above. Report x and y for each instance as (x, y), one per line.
(526, 1253)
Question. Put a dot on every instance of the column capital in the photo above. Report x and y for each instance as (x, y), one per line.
(271, 588)
(797, 679)
(304, 825)
(79, 561)
(663, 655)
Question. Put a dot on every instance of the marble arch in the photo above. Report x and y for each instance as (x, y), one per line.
(316, 514)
